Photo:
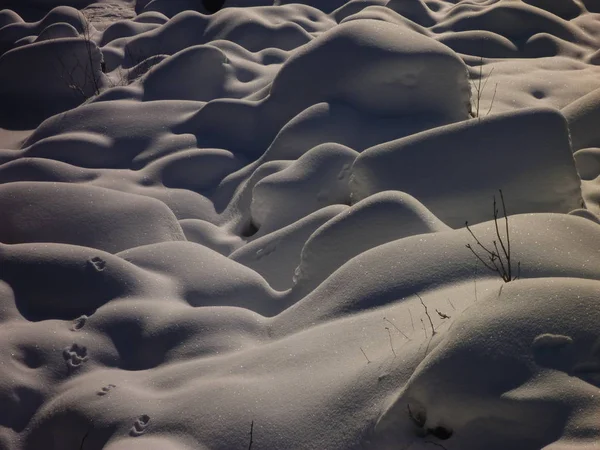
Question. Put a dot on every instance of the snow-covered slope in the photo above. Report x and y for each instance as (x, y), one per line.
(240, 224)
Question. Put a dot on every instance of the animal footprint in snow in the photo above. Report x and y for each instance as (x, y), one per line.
(79, 323)
(97, 263)
(140, 425)
(106, 389)
(75, 356)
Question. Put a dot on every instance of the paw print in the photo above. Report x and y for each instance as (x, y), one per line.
(140, 425)
(97, 263)
(75, 356)
(106, 389)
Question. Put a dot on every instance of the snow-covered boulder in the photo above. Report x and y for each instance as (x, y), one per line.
(377, 67)
(456, 169)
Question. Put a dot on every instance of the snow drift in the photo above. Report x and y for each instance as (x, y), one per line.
(241, 224)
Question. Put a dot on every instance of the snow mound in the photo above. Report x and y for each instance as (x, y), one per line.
(342, 124)
(248, 229)
(57, 212)
(470, 388)
(317, 179)
(68, 71)
(204, 277)
(57, 31)
(393, 215)
(79, 137)
(16, 29)
(8, 17)
(70, 281)
(527, 154)
(277, 254)
(380, 68)
(210, 235)
(171, 80)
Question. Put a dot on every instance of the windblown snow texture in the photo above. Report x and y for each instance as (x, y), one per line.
(241, 223)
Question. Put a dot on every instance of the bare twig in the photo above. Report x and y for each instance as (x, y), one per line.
(412, 322)
(251, 435)
(451, 304)
(427, 314)
(85, 68)
(398, 329)
(480, 87)
(391, 343)
(442, 315)
(493, 97)
(367, 358)
(87, 35)
(499, 258)
(68, 76)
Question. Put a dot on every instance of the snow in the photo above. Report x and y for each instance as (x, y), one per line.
(240, 224)
(533, 165)
(68, 69)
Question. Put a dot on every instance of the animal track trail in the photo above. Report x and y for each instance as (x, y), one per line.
(140, 425)
(75, 356)
(106, 389)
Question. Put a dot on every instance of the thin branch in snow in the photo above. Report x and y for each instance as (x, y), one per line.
(367, 358)
(427, 314)
(391, 343)
(499, 258)
(398, 329)
(251, 435)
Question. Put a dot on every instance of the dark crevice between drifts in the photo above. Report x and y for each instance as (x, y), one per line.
(212, 6)
(418, 417)
(249, 230)
(440, 433)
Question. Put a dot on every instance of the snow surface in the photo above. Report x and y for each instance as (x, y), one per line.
(240, 224)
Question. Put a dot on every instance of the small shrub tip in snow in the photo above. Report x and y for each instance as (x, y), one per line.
(68, 75)
(479, 87)
(499, 258)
